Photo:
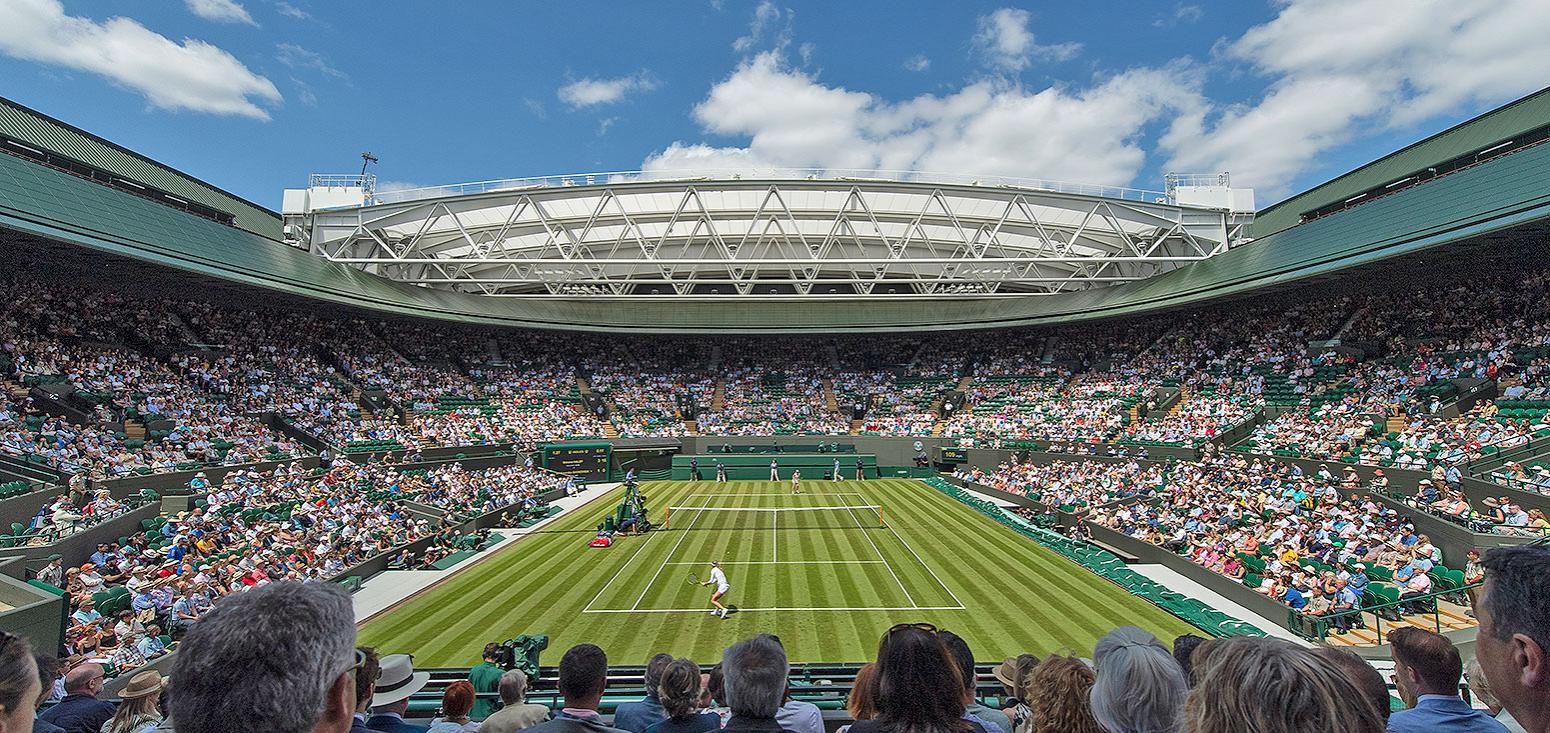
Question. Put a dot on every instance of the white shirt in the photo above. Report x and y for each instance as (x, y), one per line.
(720, 579)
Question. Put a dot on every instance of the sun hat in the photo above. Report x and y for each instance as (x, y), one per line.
(398, 680)
(1006, 672)
(143, 684)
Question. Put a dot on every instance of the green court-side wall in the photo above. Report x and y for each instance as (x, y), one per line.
(756, 466)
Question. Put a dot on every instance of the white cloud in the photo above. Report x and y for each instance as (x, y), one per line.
(1338, 69)
(535, 107)
(291, 11)
(297, 57)
(604, 124)
(918, 62)
(192, 75)
(1181, 14)
(592, 92)
(1004, 42)
(770, 28)
(220, 11)
(790, 119)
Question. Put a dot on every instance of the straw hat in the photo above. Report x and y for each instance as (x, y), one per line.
(143, 684)
(398, 680)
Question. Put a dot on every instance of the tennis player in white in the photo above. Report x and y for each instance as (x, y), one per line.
(796, 482)
(718, 579)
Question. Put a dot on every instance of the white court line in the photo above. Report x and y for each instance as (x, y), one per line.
(786, 493)
(775, 536)
(620, 570)
(781, 608)
(887, 564)
(923, 564)
(787, 562)
(670, 554)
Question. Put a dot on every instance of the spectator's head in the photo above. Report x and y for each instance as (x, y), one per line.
(1514, 640)
(19, 684)
(1139, 687)
(583, 676)
(396, 684)
(1062, 686)
(366, 677)
(679, 688)
(1015, 674)
(755, 677)
(1362, 676)
(226, 675)
(1425, 663)
(492, 652)
(48, 671)
(139, 698)
(85, 679)
(1274, 686)
(918, 682)
(862, 701)
(963, 656)
(1480, 687)
(513, 687)
(457, 700)
(654, 667)
(1183, 650)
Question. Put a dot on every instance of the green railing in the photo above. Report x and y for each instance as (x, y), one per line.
(1107, 566)
(1317, 628)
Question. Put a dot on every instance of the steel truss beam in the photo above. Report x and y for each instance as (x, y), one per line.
(804, 235)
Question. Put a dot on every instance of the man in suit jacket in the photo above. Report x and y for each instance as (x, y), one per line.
(398, 682)
(81, 711)
(583, 677)
(1427, 670)
(516, 714)
(637, 716)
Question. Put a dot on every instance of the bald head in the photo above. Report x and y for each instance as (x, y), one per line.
(84, 679)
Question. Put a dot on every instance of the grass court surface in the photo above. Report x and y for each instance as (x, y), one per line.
(828, 578)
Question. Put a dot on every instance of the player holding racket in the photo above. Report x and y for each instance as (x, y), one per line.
(718, 579)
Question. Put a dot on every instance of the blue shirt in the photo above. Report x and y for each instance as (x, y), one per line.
(1443, 713)
(1294, 598)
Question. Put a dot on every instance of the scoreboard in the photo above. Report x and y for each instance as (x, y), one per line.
(585, 461)
(954, 455)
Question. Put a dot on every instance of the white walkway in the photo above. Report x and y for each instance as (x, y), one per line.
(1172, 580)
(386, 589)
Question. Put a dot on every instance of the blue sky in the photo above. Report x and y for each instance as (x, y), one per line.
(252, 95)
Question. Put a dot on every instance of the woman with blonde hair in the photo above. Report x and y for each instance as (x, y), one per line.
(1061, 706)
(138, 712)
(1274, 686)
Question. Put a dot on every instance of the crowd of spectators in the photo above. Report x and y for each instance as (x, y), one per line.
(923, 679)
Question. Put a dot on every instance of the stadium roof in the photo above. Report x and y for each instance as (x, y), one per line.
(1482, 133)
(778, 233)
(31, 133)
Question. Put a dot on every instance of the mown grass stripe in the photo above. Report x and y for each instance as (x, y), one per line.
(1019, 596)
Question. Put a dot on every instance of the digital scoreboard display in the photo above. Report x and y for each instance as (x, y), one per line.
(955, 455)
(585, 461)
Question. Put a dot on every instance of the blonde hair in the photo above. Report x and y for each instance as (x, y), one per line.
(1063, 684)
(1274, 686)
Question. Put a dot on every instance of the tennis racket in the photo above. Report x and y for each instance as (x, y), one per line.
(693, 579)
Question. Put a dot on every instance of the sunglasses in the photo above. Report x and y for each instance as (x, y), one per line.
(928, 628)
